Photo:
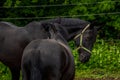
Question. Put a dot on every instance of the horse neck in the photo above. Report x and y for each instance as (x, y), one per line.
(73, 34)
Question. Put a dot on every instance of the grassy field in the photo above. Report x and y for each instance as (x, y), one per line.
(104, 63)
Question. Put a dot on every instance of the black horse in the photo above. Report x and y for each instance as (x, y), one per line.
(48, 59)
(14, 39)
(82, 32)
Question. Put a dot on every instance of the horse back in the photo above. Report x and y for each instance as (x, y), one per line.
(50, 59)
(40, 58)
(6, 25)
(69, 22)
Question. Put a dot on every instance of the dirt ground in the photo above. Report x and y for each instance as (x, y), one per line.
(97, 79)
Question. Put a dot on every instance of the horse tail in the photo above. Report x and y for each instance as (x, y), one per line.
(35, 66)
(29, 68)
(35, 74)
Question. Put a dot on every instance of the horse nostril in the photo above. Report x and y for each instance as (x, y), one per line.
(84, 57)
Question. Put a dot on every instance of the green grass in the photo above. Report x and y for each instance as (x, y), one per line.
(104, 62)
(97, 73)
(4, 72)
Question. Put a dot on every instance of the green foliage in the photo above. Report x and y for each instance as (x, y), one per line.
(4, 72)
(104, 61)
(89, 10)
(17, 3)
(34, 1)
(8, 3)
(105, 55)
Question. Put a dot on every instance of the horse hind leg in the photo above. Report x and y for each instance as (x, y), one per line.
(30, 73)
(25, 73)
(53, 74)
(36, 74)
(15, 73)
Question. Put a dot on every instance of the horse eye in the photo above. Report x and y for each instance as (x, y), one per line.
(87, 38)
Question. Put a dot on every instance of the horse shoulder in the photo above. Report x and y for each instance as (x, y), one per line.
(32, 24)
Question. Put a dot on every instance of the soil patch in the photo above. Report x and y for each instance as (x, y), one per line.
(108, 78)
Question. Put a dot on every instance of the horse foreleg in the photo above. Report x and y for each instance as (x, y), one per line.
(15, 73)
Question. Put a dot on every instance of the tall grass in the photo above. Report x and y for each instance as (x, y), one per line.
(104, 61)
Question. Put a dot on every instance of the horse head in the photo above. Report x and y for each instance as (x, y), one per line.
(84, 41)
(83, 36)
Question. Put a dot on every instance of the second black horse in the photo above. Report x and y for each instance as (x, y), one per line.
(48, 59)
(82, 32)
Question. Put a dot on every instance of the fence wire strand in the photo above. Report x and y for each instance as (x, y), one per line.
(49, 17)
(58, 5)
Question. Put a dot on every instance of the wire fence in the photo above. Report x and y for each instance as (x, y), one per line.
(70, 16)
(59, 5)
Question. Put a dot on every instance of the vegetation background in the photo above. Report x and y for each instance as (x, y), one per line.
(105, 59)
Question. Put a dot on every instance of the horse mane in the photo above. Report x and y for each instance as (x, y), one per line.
(53, 29)
(62, 31)
(32, 24)
(69, 22)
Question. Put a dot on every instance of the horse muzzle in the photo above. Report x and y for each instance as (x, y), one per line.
(84, 56)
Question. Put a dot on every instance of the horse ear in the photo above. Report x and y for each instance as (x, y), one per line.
(97, 24)
(92, 24)
(59, 20)
(98, 28)
(46, 26)
(53, 27)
